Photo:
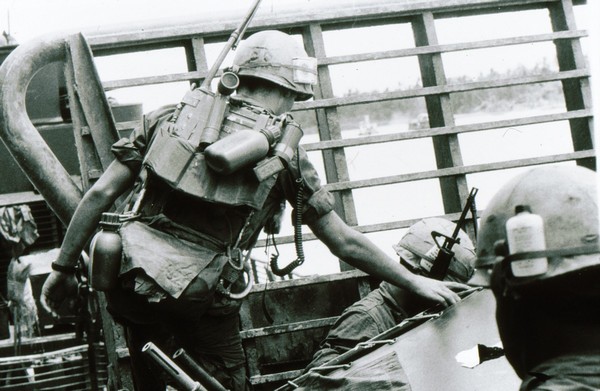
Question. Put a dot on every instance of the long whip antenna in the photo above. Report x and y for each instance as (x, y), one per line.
(232, 42)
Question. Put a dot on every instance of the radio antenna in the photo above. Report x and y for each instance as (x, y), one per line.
(232, 42)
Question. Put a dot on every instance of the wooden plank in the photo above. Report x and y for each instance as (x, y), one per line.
(280, 331)
(150, 80)
(317, 279)
(475, 168)
(416, 134)
(445, 89)
(89, 162)
(201, 72)
(25, 197)
(93, 109)
(128, 125)
(95, 132)
(196, 58)
(432, 49)
(402, 224)
(48, 370)
(59, 383)
(252, 357)
(329, 128)
(119, 363)
(288, 328)
(577, 92)
(40, 356)
(213, 24)
(275, 303)
(368, 228)
(336, 167)
(441, 113)
(276, 377)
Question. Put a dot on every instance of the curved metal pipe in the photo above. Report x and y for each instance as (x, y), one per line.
(22, 139)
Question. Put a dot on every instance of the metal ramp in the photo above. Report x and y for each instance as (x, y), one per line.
(426, 347)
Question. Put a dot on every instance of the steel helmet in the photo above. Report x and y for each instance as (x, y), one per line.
(417, 249)
(565, 197)
(275, 56)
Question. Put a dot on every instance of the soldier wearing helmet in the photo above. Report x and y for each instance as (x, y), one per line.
(274, 57)
(388, 305)
(547, 295)
(193, 217)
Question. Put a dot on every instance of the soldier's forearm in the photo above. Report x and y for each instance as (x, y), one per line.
(357, 250)
(116, 179)
(82, 226)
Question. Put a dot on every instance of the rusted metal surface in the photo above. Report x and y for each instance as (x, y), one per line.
(283, 322)
(94, 132)
(22, 139)
(89, 110)
(36, 159)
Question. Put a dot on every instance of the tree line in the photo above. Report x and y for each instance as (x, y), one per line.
(520, 97)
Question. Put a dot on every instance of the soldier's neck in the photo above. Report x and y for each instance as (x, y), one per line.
(270, 99)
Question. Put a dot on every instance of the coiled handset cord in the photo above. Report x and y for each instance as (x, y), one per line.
(297, 232)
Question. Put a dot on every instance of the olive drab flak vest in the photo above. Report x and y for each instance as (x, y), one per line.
(174, 155)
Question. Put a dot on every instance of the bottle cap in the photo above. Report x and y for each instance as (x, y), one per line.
(522, 208)
(110, 219)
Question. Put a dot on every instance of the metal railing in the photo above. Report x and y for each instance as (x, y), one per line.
(436, 89)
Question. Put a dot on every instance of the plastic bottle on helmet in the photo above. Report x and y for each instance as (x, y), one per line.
(525, 233)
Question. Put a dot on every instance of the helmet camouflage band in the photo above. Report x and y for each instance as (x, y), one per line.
(565, 197)
(276, 57)
(417, 245)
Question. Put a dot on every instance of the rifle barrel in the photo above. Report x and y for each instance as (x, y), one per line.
(182, 378)
(463, 214)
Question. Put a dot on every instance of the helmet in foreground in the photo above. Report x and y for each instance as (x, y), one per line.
(276, 57)
(565, 198)
(417, 249)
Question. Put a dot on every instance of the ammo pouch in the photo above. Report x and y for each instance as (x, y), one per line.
(175, 157)
(179, 164)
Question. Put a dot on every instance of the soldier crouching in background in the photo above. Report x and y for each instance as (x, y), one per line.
(388, 305)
